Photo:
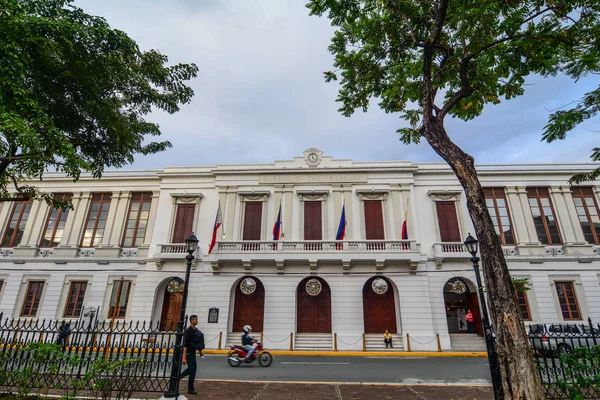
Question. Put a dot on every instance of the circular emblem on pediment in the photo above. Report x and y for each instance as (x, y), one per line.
(379, 286)
(248, 285)
(312, 157)
(313, 287)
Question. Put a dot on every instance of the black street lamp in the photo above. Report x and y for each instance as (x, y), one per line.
(472, 244)
(191, 244)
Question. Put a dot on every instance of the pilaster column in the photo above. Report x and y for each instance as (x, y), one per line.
(151, 218)
(566, 215)
(397, 216)
(113, 224)
(352, 227)
(289, 228)
(34, 224)
(338, 192)
(120, 216)
(522, 218)
(77, 216)
(408, 204)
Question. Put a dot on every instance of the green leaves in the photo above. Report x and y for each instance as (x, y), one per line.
(483, 53)
(74, 93)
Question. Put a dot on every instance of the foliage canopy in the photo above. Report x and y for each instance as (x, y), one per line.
(74, 94)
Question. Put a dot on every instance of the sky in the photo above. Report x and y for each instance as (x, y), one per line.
(260, 95)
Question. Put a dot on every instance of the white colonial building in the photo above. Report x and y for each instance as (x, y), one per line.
(120, 249)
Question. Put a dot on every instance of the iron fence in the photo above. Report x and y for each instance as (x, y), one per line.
(121, 355)
(567, 359)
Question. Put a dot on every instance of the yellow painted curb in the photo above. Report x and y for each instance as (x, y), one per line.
(367, 353)
(347, 383)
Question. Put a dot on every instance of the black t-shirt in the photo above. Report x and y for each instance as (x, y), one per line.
(193, 340)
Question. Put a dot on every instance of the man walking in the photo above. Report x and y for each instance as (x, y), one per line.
(193, 340)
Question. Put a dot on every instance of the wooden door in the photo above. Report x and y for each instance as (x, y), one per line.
(313, 220)
(184, 222)
(249, 308)
(171, 310)
(379, 310)
(374, 224)
(448, 221)
(473, 304)
(314, 312)
(313, 224)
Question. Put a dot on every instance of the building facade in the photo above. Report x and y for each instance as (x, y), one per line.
(401, 266)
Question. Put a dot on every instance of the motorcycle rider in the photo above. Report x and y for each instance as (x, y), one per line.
(248, 342)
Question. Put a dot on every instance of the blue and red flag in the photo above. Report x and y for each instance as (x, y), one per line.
(218, 222)
(277, 226)
(341, 232)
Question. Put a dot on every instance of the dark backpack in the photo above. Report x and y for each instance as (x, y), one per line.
(198, 340)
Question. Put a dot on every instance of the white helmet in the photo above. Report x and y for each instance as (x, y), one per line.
(247, 329)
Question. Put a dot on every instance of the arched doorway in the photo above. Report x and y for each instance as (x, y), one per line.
(313, 306)
(379, 308)
(171, 308)
(249, 304)
(460, 295)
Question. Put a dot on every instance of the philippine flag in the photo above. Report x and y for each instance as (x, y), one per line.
(405, 246)
(341, 232)
(218, 222)
(277, 226)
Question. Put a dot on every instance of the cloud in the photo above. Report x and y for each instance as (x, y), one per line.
(260, 94)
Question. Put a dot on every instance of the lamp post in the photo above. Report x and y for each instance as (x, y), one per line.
(191, 244)
(472, 244)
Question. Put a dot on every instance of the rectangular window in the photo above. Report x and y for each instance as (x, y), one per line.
(313, 224)
(567, 301)
(55, 223)
(137, 220)
(252, 220)
(495, 199)
(523, 304)
(32, 298)
(448, 220)
(543, 216)
(75, 299)
(16, 225)
(374, 220)
(119, 299)
(184, 222)
(587, 211)
(96, 220)
(1, 284)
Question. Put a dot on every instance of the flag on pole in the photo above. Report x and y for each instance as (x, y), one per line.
(405, 246)
(341, 232)
(277, 226)
(218, 222)
(404, 227)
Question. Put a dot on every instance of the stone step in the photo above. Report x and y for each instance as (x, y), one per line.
(374, 342)
(313, 341)
(467, 342)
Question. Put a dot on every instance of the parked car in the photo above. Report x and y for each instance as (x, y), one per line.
(558, 339)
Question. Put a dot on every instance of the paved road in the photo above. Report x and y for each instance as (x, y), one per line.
(408, 370)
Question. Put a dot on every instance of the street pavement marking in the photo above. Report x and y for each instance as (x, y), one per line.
(257, 395)
(313, 363)
(417, 393)
(338, 392)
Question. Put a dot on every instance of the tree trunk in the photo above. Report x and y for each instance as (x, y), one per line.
(520, 378)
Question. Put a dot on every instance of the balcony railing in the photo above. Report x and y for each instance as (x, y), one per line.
(320, 246)
(173, 249)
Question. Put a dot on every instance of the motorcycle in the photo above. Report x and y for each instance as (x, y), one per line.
(238, 353)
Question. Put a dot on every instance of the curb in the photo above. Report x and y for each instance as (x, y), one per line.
(366, 353)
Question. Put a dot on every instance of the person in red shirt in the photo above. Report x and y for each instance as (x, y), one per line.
(469, 318)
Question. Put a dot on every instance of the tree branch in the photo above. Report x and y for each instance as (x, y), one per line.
(519, 36)
(465, 91)
(430, 45)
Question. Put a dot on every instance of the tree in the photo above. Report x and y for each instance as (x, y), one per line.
(562, 121)
(427, 59)
(74, 94)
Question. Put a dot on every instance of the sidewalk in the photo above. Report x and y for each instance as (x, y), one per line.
(367, 353)
(271, 390)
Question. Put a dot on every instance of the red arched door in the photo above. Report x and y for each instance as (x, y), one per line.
(249, 304)
(379, 306)
(171, 308)
(314, 306)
